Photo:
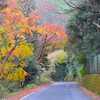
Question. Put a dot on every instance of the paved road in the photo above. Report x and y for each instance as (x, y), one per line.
(59, 91)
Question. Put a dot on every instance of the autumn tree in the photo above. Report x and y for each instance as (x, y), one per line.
(14, 30)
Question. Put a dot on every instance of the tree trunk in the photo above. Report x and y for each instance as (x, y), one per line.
(6, 58)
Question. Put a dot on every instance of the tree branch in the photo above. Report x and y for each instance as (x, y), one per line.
(8, 55)
(42, 47)
(96, 24)
(74, 6)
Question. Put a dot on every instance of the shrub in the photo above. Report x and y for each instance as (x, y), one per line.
(30, 86)
(44, 80)
(11, 87)
(60, 72)
(66, 79)
(11, 94)
(2, 91)
(82, 71)
(72, 73)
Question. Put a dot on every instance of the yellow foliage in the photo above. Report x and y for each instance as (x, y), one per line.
(7, 22)
(24, 49)
(64, 42)
(3, 51)
(12, 72)
(13, 20)
(61, 43)
(2, 30)
(0, 66)
(40, 30)
(23, 78)
(58, 33)
(57, 57)
(61, 57)
(1, 75)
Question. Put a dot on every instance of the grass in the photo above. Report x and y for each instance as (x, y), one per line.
(11, 94)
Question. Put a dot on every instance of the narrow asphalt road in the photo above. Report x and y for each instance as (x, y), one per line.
(59, 91)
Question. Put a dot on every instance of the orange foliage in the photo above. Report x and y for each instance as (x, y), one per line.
(14, 27)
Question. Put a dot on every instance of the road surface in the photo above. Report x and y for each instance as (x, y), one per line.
(59, 91)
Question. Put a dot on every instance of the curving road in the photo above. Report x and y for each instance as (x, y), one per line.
(59, 91)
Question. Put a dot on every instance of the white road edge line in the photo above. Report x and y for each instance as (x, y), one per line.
(26, 96)
(30, 94)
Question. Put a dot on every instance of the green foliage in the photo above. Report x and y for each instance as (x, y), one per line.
(44, 61)
(61, 57)
(60, 72)
(2, 90)
(72, 68)
(32, 69)
(81, 59)
(1, 87)
(72, 72)
(84, 35)
(11, 87)
(82, 71)
(30, 86)
(66, 79)
(8, 86)
(58, 59)
(44, 80)
(11, 94)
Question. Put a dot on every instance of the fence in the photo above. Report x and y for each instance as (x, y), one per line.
(92, 82)
(93, 66)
